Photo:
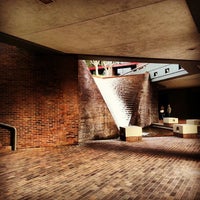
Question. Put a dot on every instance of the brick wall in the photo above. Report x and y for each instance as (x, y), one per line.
(146, 103)
(39, 96)
(43, 96)
(96, 122)
(4, 137)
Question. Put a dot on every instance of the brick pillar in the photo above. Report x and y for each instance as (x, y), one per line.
(96, 122)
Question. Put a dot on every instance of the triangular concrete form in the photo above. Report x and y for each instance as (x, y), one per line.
(121, 95)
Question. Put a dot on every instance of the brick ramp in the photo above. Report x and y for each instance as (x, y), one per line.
(161, 126)
(157, 130)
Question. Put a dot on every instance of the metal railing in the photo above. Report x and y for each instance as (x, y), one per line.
(159, 72)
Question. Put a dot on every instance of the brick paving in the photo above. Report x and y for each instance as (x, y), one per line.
(163, 168)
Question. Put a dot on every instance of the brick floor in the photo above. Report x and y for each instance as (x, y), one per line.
(156, 168)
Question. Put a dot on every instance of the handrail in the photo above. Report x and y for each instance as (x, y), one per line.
(144, 66)
(13, 132)
(135, 69)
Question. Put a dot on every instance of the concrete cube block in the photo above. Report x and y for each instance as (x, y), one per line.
(185, 130)
(169, 121)
(131, 133)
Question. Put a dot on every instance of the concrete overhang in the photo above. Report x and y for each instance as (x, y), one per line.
(160, 31)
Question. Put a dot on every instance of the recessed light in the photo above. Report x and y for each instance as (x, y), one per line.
(46, 1)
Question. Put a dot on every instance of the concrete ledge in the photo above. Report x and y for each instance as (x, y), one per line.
(185, 130)
(193, 121)
(131, 133)
(169, 121)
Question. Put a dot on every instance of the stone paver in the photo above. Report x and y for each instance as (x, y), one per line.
(156, 168)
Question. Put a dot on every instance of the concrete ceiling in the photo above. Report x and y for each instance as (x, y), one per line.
(142, 29)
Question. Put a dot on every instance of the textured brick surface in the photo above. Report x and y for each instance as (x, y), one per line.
(146, 110)
(156, 168)
(131, 99)
(96, 121)
(122, 95)
(39, 96)
(5, 137)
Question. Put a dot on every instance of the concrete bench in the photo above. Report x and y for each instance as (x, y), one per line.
(169, 121)
(131, 133)
(185, 130)
(195, 122)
